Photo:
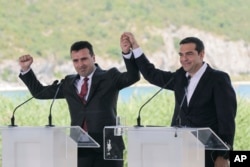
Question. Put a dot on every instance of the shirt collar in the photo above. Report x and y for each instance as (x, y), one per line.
(89, 76)
(200, 72)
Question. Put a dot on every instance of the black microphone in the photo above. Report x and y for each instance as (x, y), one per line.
(50, 111)
(178, 118)
(13, 113)
(139, 114)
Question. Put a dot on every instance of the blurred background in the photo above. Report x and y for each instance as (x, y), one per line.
(47, 28)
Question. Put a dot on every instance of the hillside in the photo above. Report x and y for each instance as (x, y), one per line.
(47, 28)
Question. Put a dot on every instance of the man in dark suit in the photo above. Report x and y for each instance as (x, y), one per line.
(98, 107)
(206, 99)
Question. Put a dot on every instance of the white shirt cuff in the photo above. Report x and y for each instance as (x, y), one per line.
(127, 56)
(24, 72)
(137, 52)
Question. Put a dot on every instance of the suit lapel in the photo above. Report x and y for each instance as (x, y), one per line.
(180, 92)
(200, 86)
(73, 87)
(96, 80)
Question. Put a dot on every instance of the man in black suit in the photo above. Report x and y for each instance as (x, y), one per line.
(98, 108)
(206, 100)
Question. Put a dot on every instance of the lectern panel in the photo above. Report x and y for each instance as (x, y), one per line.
(42, 146)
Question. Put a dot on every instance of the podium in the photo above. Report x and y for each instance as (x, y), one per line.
(42, 146)
(163, 146)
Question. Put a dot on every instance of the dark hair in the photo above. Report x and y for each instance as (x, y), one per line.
(82, 45)
(199, 44)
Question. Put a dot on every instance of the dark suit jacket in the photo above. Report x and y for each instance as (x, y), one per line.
(213, 103)
(100, 109)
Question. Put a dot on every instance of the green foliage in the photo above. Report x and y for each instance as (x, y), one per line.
(155, 113)
(158, 112)
(242, 125)
(34, 113)
(5, 75)
(46, 27)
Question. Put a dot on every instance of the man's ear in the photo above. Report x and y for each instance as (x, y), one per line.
(202, 54)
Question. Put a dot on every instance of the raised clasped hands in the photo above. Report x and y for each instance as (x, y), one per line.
(128, 42)
(125, 44)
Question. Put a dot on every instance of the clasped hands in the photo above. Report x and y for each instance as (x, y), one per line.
(128, 42)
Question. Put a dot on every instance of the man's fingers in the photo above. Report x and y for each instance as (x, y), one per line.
(25, 58)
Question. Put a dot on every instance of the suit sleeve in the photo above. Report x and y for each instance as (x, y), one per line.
(37, 89)
(151, 74)
(129, 77)
(226, 106)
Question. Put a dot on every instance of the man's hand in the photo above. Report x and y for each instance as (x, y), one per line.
(221, 162)
(132, 40)
(125, 44)
(25, 62)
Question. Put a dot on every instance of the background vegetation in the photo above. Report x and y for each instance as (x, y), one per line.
(157, 112)
(47, 28)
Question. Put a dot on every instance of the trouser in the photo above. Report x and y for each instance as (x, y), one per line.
(88, 157)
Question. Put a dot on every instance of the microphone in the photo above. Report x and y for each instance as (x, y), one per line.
(50, 111)
(139, 114)
(178, 118)
(13, 113)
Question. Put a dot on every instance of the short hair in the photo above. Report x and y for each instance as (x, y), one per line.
(199, 44)
(82, 45)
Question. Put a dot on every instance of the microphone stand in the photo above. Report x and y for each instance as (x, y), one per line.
(139, 113)
(13, 113)
(50, 111)
(139, 117)
(178, 119)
